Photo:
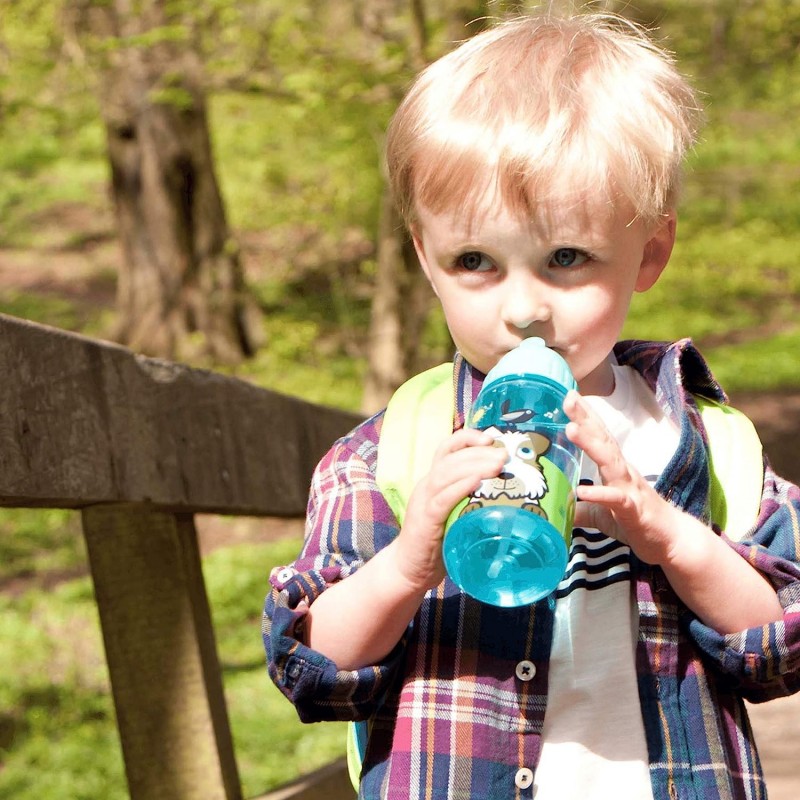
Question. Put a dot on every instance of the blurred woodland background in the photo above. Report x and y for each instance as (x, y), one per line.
(210, 173)
(202, 181)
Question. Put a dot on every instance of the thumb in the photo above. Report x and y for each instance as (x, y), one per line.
(592, 515)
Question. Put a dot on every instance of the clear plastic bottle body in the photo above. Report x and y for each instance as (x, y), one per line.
(508, 543)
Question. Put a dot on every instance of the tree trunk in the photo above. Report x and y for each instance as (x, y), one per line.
(402, 299)
(386, 361)
(401, 303)
(181, 290)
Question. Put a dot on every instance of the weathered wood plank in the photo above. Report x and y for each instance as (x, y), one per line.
(85, 422)
(331, 782)
(161, 654)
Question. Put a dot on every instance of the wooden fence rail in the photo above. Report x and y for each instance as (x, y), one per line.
(140, 445)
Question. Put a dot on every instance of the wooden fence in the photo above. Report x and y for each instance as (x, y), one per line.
(140, 445)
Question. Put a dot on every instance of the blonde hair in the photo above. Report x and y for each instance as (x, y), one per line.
(544, 107)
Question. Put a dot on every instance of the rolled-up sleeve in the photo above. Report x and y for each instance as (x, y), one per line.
(348, 521)
(764, 662)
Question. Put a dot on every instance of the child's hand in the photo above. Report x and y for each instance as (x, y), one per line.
(459, 465)
(625, 506)
(357, 621)
(629, 509)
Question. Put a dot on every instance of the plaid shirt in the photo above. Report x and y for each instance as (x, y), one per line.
(449, 716)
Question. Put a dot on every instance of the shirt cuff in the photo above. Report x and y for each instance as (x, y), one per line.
(763, 662)
(311, 681)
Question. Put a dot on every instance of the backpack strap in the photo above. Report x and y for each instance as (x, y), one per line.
(417, 420)
(357, 736)
(737, 468)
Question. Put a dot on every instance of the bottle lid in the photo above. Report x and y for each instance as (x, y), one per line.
(532, 357)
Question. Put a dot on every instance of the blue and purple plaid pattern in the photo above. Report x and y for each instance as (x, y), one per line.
(451, 719)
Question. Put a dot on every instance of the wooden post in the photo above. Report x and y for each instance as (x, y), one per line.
(165, 675)
(141, 445)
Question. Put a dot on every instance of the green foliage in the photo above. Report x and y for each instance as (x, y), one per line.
(765, 363)
(313, 325)
(298, 366)
(299, 97)
(33, 541)
(48, 120)
(175, 96)
(40, 308)
(705, 290)
(57, 730)
(323, 169)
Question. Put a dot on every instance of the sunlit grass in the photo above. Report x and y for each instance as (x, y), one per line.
(764, 364)
(32, 541)
(58, 726)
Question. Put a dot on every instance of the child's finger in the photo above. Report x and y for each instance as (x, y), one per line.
(589, 432)
(470, 465)
(468, 452)
(585, 425)
(608, 496)
(606, 508)
(459, 465)
(466, 437)
(442, 502)
(594, 515)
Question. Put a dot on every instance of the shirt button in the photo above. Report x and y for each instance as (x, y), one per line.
(526, 670)
(523, 778)
(286, 574)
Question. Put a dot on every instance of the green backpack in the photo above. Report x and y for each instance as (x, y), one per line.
(419, 417)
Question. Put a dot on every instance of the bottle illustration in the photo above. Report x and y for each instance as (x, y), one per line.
(507, 544)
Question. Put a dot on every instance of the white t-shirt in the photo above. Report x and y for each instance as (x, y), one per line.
(593, 741)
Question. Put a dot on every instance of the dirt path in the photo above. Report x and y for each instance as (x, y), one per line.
(776, 724)
(776, 727)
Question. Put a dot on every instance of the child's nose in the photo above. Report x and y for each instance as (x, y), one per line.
(524, 303)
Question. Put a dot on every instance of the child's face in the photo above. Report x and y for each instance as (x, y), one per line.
(568, 277)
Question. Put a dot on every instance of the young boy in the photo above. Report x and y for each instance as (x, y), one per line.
(537, 169)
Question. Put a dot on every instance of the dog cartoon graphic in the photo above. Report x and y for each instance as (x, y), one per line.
(522, 482)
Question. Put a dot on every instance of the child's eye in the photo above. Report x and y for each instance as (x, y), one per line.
(567, 257)
(474, 262)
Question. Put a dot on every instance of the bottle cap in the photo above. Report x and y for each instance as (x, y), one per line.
(532, 357)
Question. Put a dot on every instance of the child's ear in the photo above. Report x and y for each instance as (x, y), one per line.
(416, 238)
(657, 251)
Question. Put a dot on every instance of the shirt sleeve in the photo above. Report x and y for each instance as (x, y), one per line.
(348, 521)
(764, 662)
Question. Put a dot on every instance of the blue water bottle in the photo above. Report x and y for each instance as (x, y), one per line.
(507, 544)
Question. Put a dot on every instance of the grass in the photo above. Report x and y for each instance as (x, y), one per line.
(31, 542)
(771, 363)
(59, 737)
(732, 283)
(57, 311)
